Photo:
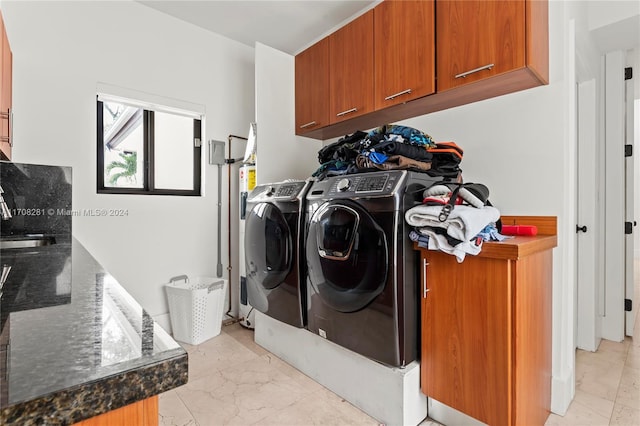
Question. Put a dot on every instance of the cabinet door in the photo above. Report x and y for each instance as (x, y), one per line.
(312, 87)
(351, 69)
(478, 39)
(6, 62)
(404, 41)
(466, 342)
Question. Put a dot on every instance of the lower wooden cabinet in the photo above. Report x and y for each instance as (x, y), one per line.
(486, 330)
(6, 70)
(141, 413)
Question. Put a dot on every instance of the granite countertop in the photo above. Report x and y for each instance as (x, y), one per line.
(73, 343)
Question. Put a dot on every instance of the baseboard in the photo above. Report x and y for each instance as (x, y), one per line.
(164, 321)
(563, 390)
(446, 415)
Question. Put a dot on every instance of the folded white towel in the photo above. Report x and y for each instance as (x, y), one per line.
(463, 223)
(439, 242)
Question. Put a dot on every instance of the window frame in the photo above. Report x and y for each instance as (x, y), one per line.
(148, 172)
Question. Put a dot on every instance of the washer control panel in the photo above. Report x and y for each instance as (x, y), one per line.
(377, 183)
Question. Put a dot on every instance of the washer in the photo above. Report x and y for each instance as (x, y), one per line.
(362, 275)
(274, 267)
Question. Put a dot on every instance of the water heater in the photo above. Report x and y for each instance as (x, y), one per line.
(247, 180)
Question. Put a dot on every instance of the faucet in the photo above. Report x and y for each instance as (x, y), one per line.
(6, 214)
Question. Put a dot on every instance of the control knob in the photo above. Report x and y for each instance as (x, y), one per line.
(343, 185)
(270, 191)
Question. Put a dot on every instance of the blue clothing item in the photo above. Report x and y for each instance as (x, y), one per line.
(409, 135)
(422, 240)
(377, 157)
(490, 233)
(333, 168)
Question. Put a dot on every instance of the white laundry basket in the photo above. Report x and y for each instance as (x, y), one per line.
(195, 307)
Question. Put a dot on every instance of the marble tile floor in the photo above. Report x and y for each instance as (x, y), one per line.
(233, 381)
(607, 385)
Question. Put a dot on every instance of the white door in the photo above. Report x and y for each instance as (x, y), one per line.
(587, 229)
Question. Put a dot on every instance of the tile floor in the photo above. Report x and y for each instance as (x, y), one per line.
(607, 385)
(233, 381)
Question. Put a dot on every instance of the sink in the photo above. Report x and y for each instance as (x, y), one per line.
(26, 242)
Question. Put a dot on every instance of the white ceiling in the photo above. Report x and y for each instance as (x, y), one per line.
(289, 26)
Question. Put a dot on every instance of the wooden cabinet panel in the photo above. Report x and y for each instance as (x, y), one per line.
(351, 69)
(312, 87)
(478, 39)
(486, 328)
(537, 39)
(467, 351)
(532, 331)
(6, 67)
(404, 41)
(141, 413)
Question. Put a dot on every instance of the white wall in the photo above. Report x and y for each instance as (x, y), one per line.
(615, 24)
(281, 154)
(602, 13)
(61, 51)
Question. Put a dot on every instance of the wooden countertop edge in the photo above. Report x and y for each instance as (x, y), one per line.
(514, 248)
(517, 247)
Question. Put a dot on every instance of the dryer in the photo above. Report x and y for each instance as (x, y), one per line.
(273, 262)
(362, 275)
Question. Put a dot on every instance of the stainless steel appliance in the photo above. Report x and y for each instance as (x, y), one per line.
(362, 279)
(273, 261)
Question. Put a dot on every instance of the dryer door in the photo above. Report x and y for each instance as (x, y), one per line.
(347, 255)
(268, 247)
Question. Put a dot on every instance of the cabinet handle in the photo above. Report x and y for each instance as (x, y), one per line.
(309, 124)
(10, 127)
(404, 92)
(340, 114)
(8, 115)
(424, 278)
(464, 74)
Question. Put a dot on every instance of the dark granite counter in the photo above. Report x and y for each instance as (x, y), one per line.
(73, 343)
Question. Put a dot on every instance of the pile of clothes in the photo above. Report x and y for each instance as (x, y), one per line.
(454, 218)
(389, 147)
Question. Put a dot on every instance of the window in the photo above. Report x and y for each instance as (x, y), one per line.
(147, 150)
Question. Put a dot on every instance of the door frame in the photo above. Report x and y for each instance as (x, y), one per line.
(614, 197)
(630, 272)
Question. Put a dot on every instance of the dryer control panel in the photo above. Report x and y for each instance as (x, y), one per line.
(281, 191)
(366, 184)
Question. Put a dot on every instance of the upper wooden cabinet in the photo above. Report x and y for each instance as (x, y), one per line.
(381, 66)
(6, 66)
(312, 86)
(404, 41)
(351, 59)
(481, 39)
